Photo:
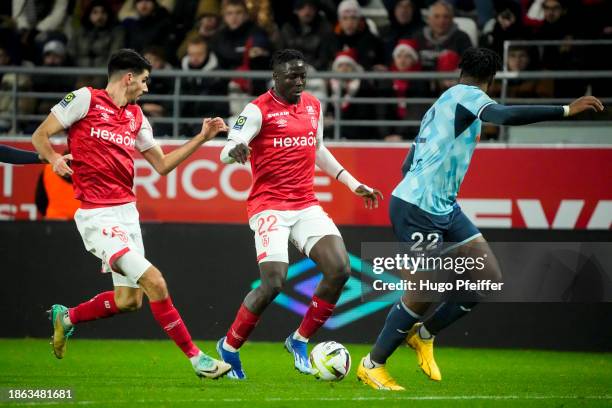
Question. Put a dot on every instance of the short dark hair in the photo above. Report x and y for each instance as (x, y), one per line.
(127, 60)
(480, 63)
(283, 56)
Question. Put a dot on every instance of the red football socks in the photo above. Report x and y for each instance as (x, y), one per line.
(242, 327)
(315, 317)
(170, 320)
(102, 305)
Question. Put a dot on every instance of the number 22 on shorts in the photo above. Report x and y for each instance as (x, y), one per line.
(265, 225)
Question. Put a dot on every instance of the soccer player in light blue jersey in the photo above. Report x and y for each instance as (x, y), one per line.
(424, 211)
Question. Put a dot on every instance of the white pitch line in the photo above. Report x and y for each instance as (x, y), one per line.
(292, 399)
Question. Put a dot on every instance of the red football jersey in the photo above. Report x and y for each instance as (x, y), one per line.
(283, 138)
(102, 138)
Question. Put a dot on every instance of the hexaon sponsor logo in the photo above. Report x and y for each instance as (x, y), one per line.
(357, 301)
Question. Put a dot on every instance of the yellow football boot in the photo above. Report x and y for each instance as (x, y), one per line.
(424, 352)
(377, 378)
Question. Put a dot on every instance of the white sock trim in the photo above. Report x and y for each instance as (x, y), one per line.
(194, 359)
(298, 336)
(424, 333)
(227, 347)
(369, 363)
(66, 319)
(410, 312)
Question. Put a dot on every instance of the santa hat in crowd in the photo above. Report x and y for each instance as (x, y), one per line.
(406, 45)
(448, 61)
(348, 56)
(349, 8)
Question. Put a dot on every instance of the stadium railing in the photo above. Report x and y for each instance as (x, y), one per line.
(14, 118)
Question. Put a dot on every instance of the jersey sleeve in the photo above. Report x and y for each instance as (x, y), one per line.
(73, 107)
(247, 125)
(475, 100)
(144, 139)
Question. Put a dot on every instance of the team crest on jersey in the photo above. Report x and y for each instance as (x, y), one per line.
(240, 122)
(67, 99)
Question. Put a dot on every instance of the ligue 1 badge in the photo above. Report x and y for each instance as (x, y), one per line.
(313, 122)
(133, 124)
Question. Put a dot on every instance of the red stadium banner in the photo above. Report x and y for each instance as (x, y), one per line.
(540, 187)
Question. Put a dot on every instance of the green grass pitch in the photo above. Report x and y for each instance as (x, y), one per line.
(104, 373)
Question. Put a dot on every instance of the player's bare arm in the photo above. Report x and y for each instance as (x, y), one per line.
(165, 163)
(40, 140)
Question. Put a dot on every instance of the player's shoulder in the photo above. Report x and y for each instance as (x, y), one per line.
(310, 99)
(263, 100)
(134, 109)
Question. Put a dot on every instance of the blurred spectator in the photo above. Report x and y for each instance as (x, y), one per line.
(405, 59)
(343, 90)
(206, 27)
(352, 32)
(96, 39)
(243, 46)
(39, 21)
(39, 15)
(262, 14)
(440, 34)
(54, 54)
(185, 10)
(404, 22)
(152, 25)
(7, 80)
(448, 61)
(482, 10)
(129, 11)
(200, 58)
(309, 32)
(230, 42)
(55, 195)
(557, 26)
(523, 59)
(158, 86)
(508, 25)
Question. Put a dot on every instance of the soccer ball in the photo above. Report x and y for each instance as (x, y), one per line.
(330, 361)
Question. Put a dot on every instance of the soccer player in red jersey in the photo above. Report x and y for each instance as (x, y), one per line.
(282, 133)
(105, 126)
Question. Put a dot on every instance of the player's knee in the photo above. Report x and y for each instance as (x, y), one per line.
(340, 271)
(272, 288)
(154, 283)
(129, 304)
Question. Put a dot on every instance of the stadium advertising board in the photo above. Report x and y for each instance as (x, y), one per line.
(556, 187)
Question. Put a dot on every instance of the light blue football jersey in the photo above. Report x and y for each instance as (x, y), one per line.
(441, 153)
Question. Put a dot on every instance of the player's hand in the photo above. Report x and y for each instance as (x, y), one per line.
(212, 127)
(370, 195)
(67, 157)
(240, 153)
(585, 103)
(60, 165)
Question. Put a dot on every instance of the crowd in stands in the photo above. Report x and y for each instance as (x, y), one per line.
(341, 36)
